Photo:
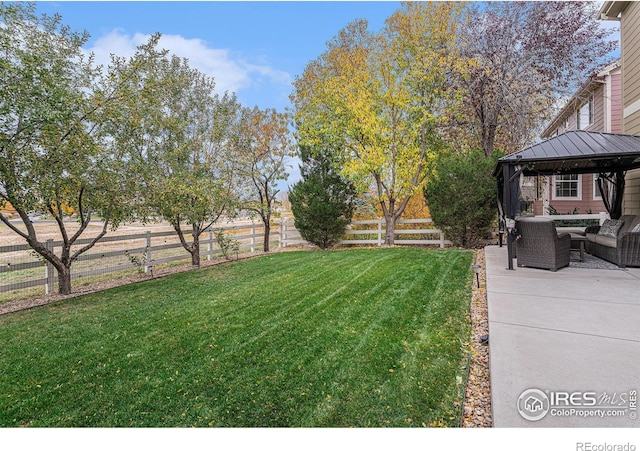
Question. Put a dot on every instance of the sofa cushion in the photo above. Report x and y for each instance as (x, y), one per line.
(606, 241)
(574, 230)
(634, 225)
(591, 237)
(611, 227)
(629, 222)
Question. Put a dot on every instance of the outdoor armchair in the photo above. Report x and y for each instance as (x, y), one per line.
(540, 246)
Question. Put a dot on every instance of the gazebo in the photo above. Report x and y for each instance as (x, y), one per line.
(573, 152)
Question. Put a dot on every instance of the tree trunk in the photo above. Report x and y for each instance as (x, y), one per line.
(489, 140)
(390, 233)
(267, 231)
(64, 280)
(195, 256)
(390, 216)
(62, 264)
(195, 247)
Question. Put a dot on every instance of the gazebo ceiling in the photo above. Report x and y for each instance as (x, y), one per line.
(576, 152)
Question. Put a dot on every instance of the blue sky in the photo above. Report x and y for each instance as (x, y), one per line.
(255, 49)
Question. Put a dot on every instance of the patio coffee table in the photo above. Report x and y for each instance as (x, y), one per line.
(580, 240)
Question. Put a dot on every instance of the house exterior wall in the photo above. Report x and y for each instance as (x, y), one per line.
(630, 50)
(630, 30)
(616, 104)
(607, 117)
(588, 202)
(599, 106)
(606, 90)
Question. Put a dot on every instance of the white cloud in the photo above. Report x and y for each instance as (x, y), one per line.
(230, 73)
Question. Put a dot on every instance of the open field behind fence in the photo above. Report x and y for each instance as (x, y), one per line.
(137, 248)
(23, 273)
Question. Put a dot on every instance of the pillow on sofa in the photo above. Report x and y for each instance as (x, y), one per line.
(610, 227)
(636, 229)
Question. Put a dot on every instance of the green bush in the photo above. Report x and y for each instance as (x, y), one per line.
(461, 194)
(322, 202)
(226, 242)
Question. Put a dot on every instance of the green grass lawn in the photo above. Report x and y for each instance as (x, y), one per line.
(365, 337)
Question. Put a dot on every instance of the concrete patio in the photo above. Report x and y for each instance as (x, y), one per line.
(574, 335)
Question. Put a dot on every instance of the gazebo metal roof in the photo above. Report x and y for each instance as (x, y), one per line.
(573, 152)
(576, 152)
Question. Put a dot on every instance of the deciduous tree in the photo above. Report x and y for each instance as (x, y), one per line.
(382, 96)
(52, 153)
(522, 56)
(266, 145)
(178, 135)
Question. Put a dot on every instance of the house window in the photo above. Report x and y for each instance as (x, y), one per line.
(584, 116)
(567, 187)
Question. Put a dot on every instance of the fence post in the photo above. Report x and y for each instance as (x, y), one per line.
(49, 271)
(283, 235)
(147, 253)
(209, 243)
(380, 232)
(253, 236)
(603, 217)
(441, 239)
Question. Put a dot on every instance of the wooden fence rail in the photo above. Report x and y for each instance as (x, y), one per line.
(376, 236)
(138, 251)
(21, 268)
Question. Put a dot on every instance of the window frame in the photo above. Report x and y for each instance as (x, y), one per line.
(588, 114)
(554, 192)
(596, 188)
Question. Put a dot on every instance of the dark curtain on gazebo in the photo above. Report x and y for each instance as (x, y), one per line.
(509, 203)
(612, 188)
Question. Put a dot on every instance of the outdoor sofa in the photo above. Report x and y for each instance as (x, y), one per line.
(540, 246)
(617, 241)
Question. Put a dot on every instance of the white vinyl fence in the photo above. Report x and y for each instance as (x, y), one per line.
(21, 268)
(23, 273)
(372, 231)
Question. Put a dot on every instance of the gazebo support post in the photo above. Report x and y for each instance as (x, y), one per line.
(508, 210)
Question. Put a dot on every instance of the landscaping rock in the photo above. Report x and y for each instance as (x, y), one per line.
(477, 409)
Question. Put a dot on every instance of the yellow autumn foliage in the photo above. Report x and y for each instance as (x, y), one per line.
(380, 97)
